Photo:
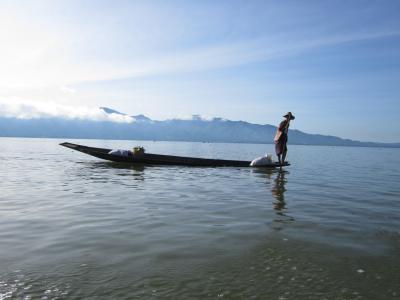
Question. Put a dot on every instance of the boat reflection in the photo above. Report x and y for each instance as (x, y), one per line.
(122, 166)
(105, 171)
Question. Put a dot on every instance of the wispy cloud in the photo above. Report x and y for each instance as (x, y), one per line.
(23, 109)
(34, 56)
(236, 54)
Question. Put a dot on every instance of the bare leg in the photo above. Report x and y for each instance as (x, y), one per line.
(280, 161)
(283, 157)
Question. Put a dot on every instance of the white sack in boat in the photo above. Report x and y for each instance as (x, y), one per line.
(120, 152)
(262, 161)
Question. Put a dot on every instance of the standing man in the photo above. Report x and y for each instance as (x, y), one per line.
(281, 138)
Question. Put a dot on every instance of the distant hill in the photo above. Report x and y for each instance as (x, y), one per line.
(143, 128)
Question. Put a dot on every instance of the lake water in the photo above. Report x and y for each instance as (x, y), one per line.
(75, 227)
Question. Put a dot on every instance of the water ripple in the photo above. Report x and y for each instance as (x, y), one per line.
(77, 227)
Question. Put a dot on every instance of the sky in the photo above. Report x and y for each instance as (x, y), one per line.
(334, 64)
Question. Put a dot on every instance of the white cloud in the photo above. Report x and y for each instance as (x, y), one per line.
(67, 90)
(196, 117)
(24, 109)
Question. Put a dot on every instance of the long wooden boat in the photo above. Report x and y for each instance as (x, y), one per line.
(159, 159)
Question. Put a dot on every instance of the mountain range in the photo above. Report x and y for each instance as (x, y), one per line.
(195, 129)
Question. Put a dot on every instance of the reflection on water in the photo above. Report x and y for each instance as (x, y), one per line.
(278, 192)
(115, 165)
(277, 180)
(110, 172)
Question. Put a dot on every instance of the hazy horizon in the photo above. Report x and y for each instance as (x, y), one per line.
(49, 118)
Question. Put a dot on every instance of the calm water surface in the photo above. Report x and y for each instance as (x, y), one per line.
(75, 227)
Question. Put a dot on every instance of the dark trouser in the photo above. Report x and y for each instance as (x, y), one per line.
(281, 148)
(280, 145)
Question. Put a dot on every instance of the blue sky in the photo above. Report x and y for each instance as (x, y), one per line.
(335, 64)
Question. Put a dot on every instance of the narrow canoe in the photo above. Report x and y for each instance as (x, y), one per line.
(159, 159)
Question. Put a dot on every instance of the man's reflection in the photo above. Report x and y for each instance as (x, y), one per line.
(278, 192)
(278, 180)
